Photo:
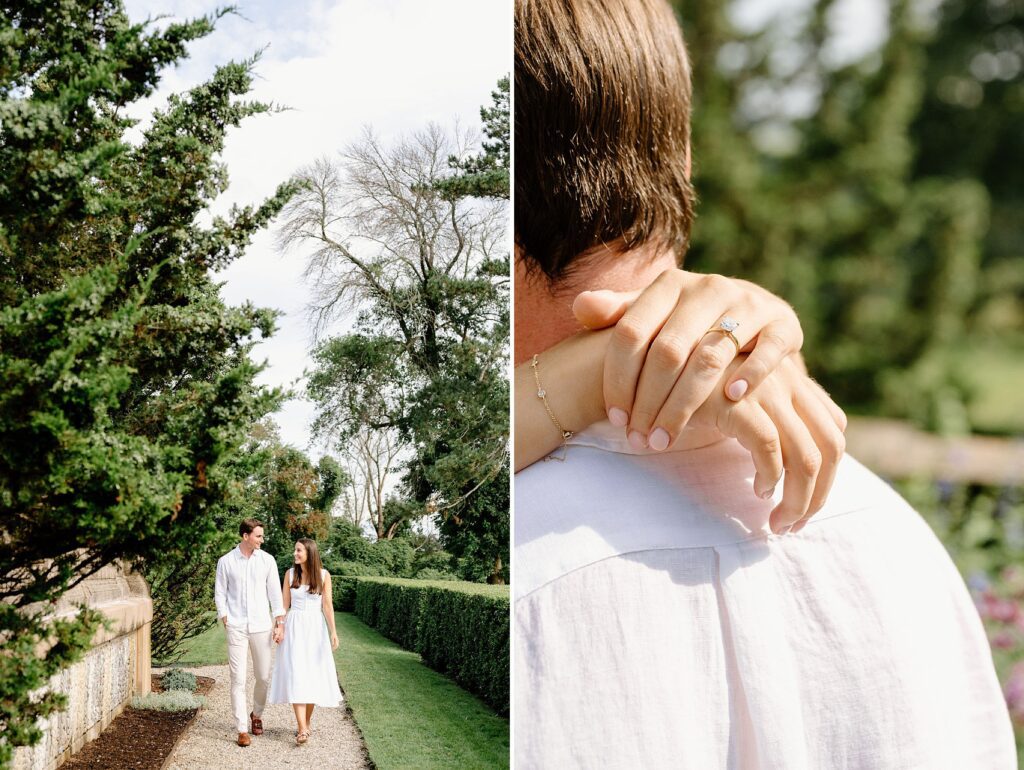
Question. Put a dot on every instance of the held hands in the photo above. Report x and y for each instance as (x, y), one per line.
(278, 634)
(661, 370)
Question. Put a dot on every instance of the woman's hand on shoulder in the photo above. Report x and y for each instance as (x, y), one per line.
(664, 372)
(660, 347)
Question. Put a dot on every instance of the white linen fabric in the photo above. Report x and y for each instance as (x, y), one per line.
(305, 670)
(242, 644)
(660, 624)
(246, 590)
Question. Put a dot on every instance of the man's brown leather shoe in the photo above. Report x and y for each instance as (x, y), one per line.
(257, 724)
(244, 739)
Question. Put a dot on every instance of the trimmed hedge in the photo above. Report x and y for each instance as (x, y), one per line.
(460, 629)
(343, 593)
(344, 585)
(466, 637)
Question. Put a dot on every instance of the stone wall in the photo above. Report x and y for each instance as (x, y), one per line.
(101, 684)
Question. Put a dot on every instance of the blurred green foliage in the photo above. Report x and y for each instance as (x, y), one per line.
(881, 195)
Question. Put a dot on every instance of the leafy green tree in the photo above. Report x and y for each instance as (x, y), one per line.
(968, 127)
(411, 554)
(128, 386)
(281, 487)
(425, 272)
(486, 174)
(808, 175)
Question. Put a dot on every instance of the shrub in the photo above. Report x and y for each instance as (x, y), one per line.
(343, 583)
(430, 573)
(172, 700)
(392, 606)
(460, 629)
(465, 635)
(177, 679)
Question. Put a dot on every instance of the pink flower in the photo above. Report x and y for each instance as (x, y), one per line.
(1000, 610)
(1004, 640)
(1014, 692)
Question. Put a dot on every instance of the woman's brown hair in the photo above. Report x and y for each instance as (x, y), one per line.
(602, 129)
(314, 579)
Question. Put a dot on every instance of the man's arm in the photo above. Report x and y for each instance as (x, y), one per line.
(220, 592)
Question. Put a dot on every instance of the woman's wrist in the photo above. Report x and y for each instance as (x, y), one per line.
(571, 375)
(577, 366)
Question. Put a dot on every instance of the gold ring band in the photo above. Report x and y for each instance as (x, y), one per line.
(727, 333)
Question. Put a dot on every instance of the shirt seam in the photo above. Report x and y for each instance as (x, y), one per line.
(655, 549)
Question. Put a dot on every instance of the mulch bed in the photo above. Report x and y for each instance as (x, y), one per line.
(138, 739)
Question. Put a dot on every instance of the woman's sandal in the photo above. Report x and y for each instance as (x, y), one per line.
(301, 738)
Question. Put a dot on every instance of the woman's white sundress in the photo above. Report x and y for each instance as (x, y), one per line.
(304, 671)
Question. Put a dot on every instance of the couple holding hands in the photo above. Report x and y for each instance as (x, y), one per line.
(247, 595)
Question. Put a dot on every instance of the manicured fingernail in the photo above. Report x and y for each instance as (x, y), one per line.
(736, 389)
(617, 417)
(636, 440)
(785, 530)
(767, 493)
(658, 440)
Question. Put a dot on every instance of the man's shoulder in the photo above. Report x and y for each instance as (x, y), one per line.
(226, 556)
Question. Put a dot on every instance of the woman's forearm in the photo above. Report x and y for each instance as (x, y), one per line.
(328, 609)
(572, 374)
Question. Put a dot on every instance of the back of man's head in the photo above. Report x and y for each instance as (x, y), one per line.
(602, 129)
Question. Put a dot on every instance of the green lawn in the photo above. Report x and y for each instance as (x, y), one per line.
(210, 648)
(411, 716)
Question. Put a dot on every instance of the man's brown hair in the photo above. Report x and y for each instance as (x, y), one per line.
(248, 525)
(602, 129)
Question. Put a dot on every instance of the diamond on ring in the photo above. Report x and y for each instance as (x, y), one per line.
(728, 324)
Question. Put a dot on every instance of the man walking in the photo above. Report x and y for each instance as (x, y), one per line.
(246, 582)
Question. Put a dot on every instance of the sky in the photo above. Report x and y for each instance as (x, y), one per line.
(338, 65)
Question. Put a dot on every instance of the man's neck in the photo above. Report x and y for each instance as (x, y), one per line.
(543, 311)
(246, 549)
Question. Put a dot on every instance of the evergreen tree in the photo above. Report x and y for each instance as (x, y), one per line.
(128, 386)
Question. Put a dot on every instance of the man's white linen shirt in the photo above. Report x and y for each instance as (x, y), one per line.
(659, 624)
(246, 590)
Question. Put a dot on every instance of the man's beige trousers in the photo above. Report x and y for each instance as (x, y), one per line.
(240, 645)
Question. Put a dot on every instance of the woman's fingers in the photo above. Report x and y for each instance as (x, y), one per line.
(772, 345)
(802, 459)
(701, 374)
(748, 423)
(830, 440)
(833, 408)
(602, 308)
(630, 340)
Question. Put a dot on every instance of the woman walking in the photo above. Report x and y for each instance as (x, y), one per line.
(305, 675)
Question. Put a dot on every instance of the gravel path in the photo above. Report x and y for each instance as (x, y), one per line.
(210, 742)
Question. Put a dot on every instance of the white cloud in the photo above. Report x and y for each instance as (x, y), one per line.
(391, 64)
